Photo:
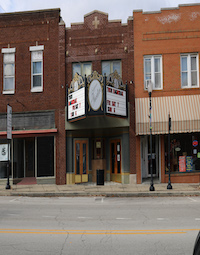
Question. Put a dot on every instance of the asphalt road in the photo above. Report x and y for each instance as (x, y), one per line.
(98, 225)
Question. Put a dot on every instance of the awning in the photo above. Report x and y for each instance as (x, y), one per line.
(184, 112)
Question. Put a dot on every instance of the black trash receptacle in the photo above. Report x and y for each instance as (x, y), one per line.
(100, 177)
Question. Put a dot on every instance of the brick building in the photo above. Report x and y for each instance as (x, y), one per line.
(166, 54)
(98, 136)
(32, 78)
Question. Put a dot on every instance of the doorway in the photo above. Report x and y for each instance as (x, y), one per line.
(23, 158)
(146, 156)
(81, 161)
(115, 160)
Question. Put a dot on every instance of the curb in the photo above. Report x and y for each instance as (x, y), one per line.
(102, 194)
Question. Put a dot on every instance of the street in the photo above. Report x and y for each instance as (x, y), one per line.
(98, 225)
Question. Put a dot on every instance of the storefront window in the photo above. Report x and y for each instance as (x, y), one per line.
(184, 153)
(3, 158)
(45, 156)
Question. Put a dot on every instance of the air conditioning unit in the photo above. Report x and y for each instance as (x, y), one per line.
(147, 82)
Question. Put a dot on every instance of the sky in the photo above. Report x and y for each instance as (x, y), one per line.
(73, 11)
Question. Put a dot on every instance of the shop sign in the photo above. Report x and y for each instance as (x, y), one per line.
(76, 98)
(182, 163)
(195, 143)
(76, 104)
(3, 152)
(116, 101)
(189, 163)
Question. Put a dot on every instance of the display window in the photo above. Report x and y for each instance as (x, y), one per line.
(184, 153)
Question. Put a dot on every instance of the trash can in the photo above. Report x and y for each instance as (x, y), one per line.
(100, 177)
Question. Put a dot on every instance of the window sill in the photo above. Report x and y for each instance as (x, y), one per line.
(11, 92)
(194, 87)
(35, 90)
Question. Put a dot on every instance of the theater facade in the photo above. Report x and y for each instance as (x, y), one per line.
(98, 106)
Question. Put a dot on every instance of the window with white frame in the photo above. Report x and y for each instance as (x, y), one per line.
(153, 71)
(109, 67)
(8, 70)
(83, 69)
(37, 68)
(189, 70)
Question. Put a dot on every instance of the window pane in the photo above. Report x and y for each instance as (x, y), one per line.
(157, 64)
(9, 83)
(184, 79)
(193, 63)
(87, 69)
(84, 158)
(45, 156)
(184, 64)
(9, 69)
(157, 80)
(106, 68)
(78, 158)
(147, 65)
(194, 78)
(117, 67)
(37, 67)
(37, 81)
(9, 58)
(76, 69)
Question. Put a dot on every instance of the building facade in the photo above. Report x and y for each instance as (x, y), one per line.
(32, 78)
(99, 74)
(166, 54)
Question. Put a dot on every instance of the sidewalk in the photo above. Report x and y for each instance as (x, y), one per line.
(108, 190)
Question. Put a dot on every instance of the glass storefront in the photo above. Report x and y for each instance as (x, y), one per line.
(184, 153)
(32, 157)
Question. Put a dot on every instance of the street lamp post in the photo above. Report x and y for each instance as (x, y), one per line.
(150, 89)
(169, 186)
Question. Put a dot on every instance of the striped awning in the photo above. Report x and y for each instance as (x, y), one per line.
(184, 112)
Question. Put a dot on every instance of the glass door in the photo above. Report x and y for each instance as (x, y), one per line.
(81, 161)
(115, 159)
(155, 155)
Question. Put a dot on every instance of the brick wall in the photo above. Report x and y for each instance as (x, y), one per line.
(108, 40)
(25, 29)
(168, 32)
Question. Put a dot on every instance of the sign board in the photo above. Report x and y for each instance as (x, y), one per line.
(9, 122)
(182, 163)
(189, 163)
(3, 152)
(76, 104)
(115, 101)
(195, 143)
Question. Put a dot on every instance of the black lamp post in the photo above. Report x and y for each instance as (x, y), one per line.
(169, 186)
(150, 89)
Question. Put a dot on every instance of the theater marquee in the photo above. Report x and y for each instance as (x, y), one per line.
(96, 96)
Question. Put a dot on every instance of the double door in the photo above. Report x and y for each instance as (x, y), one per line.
(81, 161)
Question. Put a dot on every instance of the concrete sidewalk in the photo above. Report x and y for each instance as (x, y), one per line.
(108, 190)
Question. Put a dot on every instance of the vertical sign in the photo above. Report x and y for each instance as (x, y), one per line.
(182, 164)
(189, 163)
(9, 122)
